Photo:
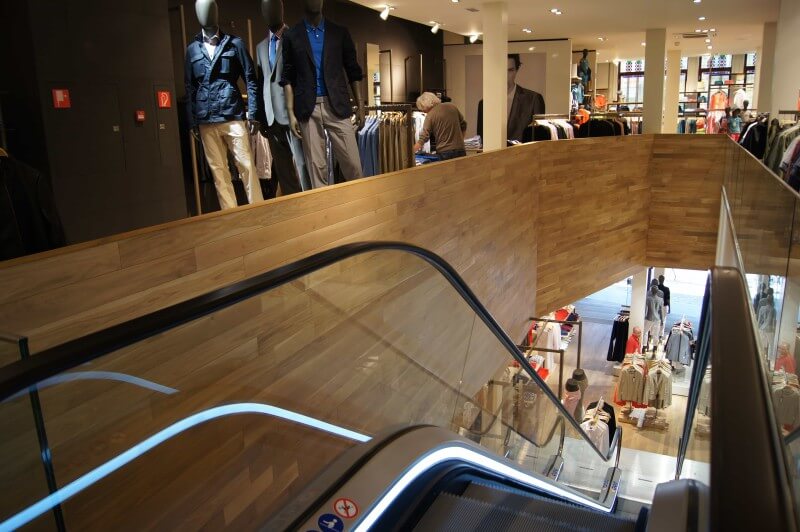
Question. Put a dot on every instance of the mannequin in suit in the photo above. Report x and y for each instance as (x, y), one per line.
(322, 80)
(522, 103)
(288, 161)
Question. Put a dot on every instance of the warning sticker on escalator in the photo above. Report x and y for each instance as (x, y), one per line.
(346, 508)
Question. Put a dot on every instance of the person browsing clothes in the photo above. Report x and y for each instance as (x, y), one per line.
(447, 125)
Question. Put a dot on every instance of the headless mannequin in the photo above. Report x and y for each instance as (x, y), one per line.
(313, 15)
(221, 120)
(208, 16)
(288, 161)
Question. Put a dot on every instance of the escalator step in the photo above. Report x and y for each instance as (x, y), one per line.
(544, 507)
(457, 514)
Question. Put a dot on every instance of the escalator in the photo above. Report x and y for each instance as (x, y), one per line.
(328, 394)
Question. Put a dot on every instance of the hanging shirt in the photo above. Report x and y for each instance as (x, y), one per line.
(598, 434)
(316, 36)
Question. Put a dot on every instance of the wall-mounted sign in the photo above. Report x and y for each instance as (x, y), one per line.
(61, 99)
(164, 99)
(139, 115)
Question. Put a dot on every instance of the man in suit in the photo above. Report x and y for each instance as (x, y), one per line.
(320, 73)
(522, 103)
(288, 161)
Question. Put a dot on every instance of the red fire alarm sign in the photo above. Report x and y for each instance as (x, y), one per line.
(164, 99)
(61, 99)
(139, 115)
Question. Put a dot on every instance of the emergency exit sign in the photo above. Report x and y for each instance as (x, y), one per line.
(61, 99)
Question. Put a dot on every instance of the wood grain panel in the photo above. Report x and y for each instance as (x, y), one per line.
(686, 180)
(372, 342)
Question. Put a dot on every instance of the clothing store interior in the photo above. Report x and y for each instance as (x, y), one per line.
(340, 213)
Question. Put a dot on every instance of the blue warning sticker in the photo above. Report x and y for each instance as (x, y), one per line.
(330, 523)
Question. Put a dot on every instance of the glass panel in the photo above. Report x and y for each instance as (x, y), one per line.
(220, 421)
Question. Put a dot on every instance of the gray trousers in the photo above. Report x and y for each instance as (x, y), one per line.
(343, 142)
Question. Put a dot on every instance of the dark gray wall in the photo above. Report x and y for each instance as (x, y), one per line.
(109, 174)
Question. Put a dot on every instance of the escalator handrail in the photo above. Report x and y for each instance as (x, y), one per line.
(23, 374)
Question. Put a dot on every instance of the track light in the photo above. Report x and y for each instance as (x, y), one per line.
(473, 38)
(385, 12)
(435, 28)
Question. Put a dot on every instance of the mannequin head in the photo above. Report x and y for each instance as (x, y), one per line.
(207, 14)
(572, 385)
(272, 11)
(313, 7)
(585, 53)
(654, 290)
(654, 283)
(746, 104)
(660, 279)
(513, 68)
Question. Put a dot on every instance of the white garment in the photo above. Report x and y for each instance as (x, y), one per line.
(738, 99)
(597, 433)
(210, 48)
(550, 339)
(653, 327)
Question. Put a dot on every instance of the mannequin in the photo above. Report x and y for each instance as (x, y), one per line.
(584, 72)
(214, 63)
(653, 310)
(318, 94)
(288, 161)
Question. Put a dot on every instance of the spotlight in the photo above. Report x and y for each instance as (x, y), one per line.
(473, 38)
(435, 28)
(644, 44)
(385, 12)
(710, 47)
(701, 19)
(527, 30)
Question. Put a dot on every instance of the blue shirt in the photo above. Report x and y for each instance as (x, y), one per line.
(316, 36)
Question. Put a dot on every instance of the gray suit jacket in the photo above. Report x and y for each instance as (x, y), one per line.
(269, 83)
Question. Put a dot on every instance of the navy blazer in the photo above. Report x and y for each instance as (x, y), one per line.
(339, 64)
(211, 84)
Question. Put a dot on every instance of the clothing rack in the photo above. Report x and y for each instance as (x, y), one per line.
(406, 108)
(565, 116)
(796, 114)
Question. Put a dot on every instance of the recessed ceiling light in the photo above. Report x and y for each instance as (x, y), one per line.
(697, 1)
(708, 40)
(698, 31)
(473, 38)
(713, 29)
(705, 31)
(527, 30)
(701, 19)
(455, 1)
(555, 11)
(644, 44)
(710, 47)
(435, 28)
(532, 48)
(601, 39)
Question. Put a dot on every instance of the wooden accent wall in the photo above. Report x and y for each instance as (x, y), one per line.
(590, 230)
(683, 209)
(366, 344)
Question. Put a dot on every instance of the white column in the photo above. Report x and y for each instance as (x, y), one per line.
(495, 75)
(671, 91)
(655, 55)
(638, 295)
(764, 68)
(786, 67)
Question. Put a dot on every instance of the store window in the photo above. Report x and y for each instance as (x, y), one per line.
(631, 81)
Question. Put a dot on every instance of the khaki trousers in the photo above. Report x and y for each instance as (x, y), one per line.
(343, 142)
(217, 140)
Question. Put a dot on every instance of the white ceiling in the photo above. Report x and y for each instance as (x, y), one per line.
(738, 23)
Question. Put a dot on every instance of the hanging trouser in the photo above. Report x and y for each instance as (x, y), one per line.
(217, 140)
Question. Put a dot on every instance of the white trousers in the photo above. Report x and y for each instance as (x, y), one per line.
(653, 327)
(217, 140)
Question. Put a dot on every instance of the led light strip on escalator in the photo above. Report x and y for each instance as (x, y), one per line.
(79, 484)
(463, 454)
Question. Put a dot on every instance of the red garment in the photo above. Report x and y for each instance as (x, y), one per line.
(786, 363)
(634, 345)
(562, 314)
(718, 101)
